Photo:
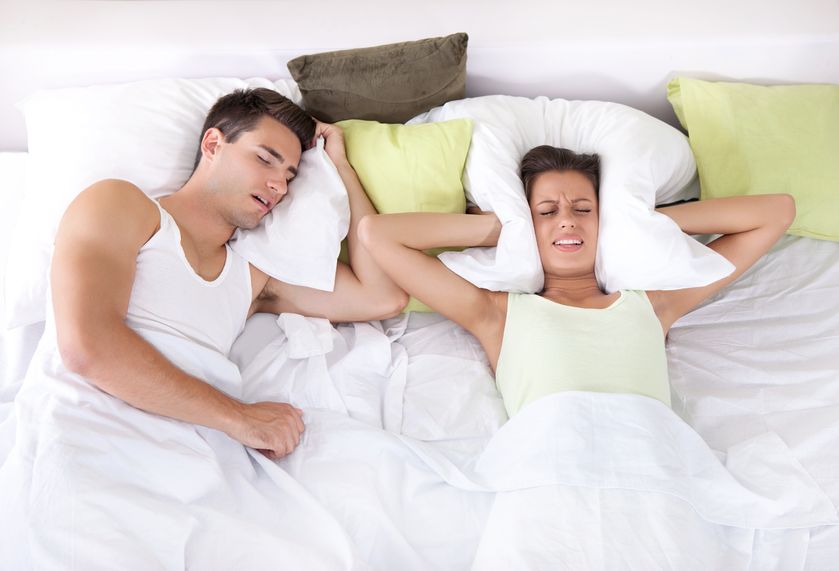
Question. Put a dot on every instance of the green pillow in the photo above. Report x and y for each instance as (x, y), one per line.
(752, 139)
(389, 83)
(410, 168)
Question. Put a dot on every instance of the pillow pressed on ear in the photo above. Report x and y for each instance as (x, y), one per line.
(753, 139)
(410, 168)
(643, 161)
(148, 133)
(389, 83)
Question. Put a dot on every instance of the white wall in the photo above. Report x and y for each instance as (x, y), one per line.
(600, 49)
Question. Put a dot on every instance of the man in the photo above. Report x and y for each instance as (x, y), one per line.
(249, 152)
(148, 299)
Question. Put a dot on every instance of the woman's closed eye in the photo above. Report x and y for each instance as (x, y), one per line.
(555, 211)
(263, 160)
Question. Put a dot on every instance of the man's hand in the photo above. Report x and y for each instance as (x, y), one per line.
(333, 141)
(273, 428)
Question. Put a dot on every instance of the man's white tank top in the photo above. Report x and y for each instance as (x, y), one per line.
(170, 297)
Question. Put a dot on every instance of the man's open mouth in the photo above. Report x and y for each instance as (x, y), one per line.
(261, 200)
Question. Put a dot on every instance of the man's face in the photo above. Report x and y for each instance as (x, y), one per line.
(250, 175)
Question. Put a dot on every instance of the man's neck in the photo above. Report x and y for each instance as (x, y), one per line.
(196, 215)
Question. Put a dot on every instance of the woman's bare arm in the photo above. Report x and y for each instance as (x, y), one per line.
(397, 241)
(750, 226)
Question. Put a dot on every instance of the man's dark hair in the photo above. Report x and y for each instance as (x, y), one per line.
(546, 158)
(239, 112)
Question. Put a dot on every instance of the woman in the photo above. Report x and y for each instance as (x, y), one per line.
(571, 335)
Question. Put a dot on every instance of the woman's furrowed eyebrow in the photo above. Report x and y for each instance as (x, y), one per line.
(575, 201)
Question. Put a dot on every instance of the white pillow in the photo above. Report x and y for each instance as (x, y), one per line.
(147, 133)
(643, 161)
(298, 242)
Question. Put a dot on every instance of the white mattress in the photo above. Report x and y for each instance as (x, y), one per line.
(398, 413)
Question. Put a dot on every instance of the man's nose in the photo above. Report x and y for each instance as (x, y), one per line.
(280, 186)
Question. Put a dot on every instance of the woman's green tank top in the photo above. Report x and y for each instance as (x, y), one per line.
(549, 347)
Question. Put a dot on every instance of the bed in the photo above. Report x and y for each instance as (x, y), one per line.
(409, 461)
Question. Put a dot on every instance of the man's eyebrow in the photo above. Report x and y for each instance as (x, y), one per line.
(274, 153)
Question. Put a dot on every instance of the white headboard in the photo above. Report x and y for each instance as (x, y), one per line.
(599, 49)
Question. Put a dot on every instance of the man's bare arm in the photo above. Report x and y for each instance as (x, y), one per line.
(92, 276)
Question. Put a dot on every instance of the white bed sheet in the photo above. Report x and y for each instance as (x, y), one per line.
(756, 365)
(761, 358)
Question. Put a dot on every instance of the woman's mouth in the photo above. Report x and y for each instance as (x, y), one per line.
(568, 244)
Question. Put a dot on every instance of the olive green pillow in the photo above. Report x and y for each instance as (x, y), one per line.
(753, 139)
(389, 83)
(410, 168)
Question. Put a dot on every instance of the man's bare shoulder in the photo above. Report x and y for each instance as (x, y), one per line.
(112, 192)
(114, 206)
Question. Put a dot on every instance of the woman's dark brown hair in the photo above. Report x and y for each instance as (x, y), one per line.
(546, 158)
(239, 112)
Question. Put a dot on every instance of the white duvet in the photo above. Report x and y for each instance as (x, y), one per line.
(408, 461)
(92, 483)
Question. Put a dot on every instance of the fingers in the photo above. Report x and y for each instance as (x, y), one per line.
(289, 432)
(319, 132)
(300, 426)
(322, 129)
(281, 449)
(327, 130)
(270, 454)
(273, 428)
(296, 418)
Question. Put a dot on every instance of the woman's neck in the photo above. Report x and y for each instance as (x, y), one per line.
(572, 290)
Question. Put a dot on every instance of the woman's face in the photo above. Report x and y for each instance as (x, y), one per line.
(564, 209)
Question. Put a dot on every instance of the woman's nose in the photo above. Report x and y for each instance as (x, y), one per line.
(567, 220)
